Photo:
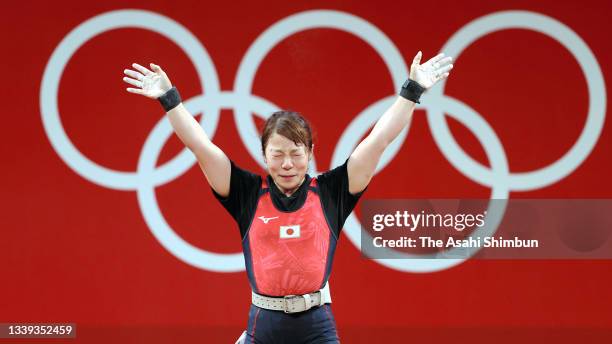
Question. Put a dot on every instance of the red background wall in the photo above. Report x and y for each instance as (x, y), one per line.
(74, 251)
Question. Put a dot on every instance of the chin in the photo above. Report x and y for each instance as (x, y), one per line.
(288, 184)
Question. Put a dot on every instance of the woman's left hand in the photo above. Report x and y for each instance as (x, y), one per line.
(432, 71)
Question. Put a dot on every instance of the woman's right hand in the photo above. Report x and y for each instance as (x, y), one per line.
(151, 84)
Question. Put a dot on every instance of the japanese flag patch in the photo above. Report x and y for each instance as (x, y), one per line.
(287, 232)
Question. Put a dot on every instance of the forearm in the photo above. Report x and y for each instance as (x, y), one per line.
(363, 160)
(422, 77)
(392, 122)
(188, 129)
(156, 85)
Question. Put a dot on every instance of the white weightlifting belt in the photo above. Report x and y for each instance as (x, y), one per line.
(293, 303)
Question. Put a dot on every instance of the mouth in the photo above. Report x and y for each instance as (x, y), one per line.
(287, 177)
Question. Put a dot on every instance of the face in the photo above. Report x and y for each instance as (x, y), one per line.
(287, 162)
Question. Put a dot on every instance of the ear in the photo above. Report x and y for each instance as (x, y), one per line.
(311, 152)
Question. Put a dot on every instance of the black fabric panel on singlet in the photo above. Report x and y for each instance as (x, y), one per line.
(286, 203)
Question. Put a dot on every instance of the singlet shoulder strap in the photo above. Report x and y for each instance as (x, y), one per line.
(264, 186)
(313, 186)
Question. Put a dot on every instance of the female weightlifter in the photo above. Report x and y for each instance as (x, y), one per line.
(289, 221)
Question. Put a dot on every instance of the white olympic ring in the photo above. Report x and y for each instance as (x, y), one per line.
(148, 176)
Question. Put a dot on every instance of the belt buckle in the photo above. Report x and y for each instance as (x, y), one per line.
(285, 303)
(307, 301)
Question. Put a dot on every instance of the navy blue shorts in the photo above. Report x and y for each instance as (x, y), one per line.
(316, 325)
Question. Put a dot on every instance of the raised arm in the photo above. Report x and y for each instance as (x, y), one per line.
(362, 162)
(212, 160)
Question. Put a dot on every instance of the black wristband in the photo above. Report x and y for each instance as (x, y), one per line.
(412, 91)
(170, 99)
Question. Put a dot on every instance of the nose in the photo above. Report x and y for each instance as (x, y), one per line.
(287, 163)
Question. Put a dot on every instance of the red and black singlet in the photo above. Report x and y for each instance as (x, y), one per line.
(289, 241)
(289, 253)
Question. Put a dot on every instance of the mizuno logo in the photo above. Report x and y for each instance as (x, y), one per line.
(267, 219)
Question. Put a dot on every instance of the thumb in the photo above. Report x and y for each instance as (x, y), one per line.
(417, 58)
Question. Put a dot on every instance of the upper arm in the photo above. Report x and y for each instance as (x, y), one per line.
(241, 200)
(362, 164)
(338, 201)
(216, 167)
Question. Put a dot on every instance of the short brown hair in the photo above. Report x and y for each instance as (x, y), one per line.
(289, 124)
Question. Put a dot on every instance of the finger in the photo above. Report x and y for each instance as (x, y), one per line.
(444, 76)
(141, 69)
(417, 58)
(444, 69)
(156, 68)
(133, 74)
(436, 58)
(443, 62)
(133, 82)
(135, 90)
